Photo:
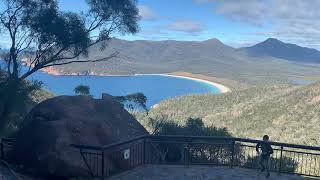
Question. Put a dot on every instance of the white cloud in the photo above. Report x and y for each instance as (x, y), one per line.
(296, 21)
(249, 11)
(190, 27)
(146, 13)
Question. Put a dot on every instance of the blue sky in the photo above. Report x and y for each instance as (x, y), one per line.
(183, 20)
(235, 22)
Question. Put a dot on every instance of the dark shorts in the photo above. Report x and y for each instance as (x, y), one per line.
(264, 161)
(264, 157)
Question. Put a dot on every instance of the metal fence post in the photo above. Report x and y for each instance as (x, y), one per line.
(227, 151)
(102, 165)
(2, 152)
(232, 153)
(280, 164)
(187, 155)
(144, 151)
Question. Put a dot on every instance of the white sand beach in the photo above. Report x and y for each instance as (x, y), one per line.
(222, 88)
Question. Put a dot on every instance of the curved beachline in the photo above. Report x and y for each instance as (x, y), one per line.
(222, 88)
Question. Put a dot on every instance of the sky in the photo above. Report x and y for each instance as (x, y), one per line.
(237, 23)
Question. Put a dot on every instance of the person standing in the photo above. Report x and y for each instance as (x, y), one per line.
(266, 151)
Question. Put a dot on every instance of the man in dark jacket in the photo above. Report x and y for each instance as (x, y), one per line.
(266, 151)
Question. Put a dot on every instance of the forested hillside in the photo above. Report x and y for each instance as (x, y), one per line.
(288, 114)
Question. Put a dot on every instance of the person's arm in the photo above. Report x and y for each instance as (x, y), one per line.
(270, 149)
(257, 147)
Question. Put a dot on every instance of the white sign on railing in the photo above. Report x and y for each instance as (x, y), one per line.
(126, 154)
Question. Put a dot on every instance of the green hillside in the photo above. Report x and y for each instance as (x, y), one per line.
(289, 114)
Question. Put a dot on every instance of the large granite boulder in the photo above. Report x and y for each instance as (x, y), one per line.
(44, 142)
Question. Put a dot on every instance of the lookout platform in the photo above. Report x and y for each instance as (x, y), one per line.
(178, 172)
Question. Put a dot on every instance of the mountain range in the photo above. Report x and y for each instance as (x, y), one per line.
(271, 60)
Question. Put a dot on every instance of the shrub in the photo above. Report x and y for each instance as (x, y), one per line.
(288, 165)
(218, 151)
(193, 127)
(15, 102)
(134, 101)
(82, 90)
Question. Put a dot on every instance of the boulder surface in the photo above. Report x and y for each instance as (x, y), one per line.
(44, 142)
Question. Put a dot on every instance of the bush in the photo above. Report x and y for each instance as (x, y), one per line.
(288, 165)
(82, 90)
(193, 127)
(218, 151)
(134, 101)
(15, 102)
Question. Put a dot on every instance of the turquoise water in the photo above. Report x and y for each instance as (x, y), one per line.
(155, 87)
(302, 82)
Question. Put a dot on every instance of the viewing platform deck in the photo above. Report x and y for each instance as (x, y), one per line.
(191, 157)
(178, 172)
(198, 157)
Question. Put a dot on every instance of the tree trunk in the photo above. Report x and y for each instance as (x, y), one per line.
(8, 93)
(4, 117)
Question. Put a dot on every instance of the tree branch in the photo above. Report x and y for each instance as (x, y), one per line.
(113, 55)
(36, 68)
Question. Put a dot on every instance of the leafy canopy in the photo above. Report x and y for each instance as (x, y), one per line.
(133, 101)
(47, 36)
(193, 127)
(44, 36)
(82, 90)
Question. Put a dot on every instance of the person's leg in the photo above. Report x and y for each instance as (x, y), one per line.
(267, 165)
(261, 163)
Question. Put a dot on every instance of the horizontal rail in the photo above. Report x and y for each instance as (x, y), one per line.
(6, 145)
(317, 148)
(190, 150)
(208, 150)
(194, 138)
(297, 146)
(8, 139)
(105, 147)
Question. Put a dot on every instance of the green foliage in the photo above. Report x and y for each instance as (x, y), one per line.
(48, 36)
(288, 165)
(193, 127)
(199, 153)
(283, 112)
(126, 12)
(15, 98)
(133, 101)
(82, 90)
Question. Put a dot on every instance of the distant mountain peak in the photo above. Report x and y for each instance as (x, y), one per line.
(212, 41)
(272, 39)
(278, 49)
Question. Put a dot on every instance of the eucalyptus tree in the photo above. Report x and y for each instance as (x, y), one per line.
(39, 30)
(44, 35)
(82, 90)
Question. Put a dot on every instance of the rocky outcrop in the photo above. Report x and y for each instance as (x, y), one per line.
(44, 143)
